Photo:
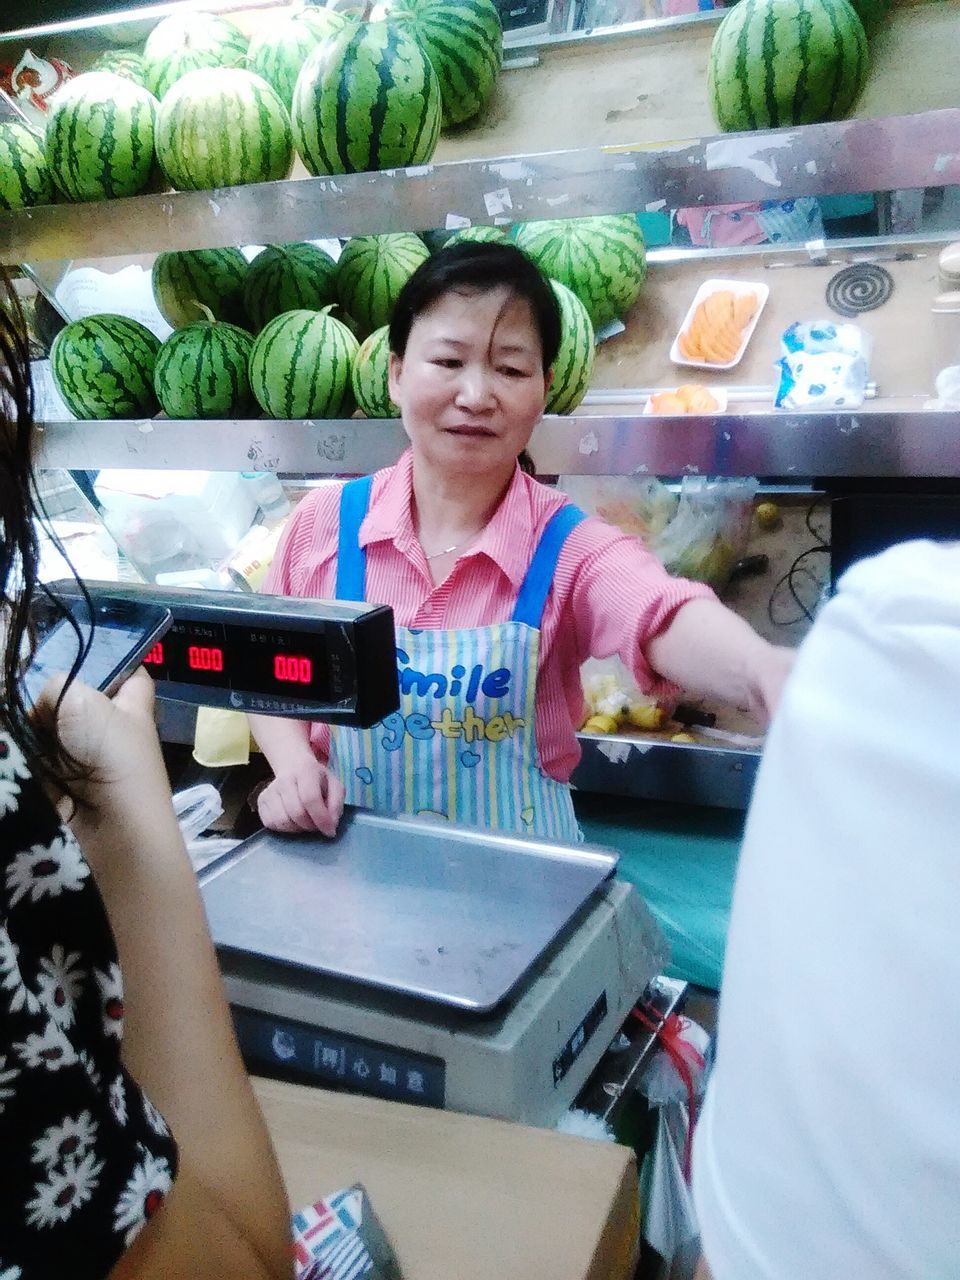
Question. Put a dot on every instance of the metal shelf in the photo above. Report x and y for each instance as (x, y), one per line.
(843, 157)
(681, 773)
(788, 445)
(677, 772)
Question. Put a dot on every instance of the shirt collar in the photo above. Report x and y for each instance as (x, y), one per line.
(507, 539)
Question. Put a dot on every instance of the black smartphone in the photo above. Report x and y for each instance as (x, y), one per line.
(124, 632)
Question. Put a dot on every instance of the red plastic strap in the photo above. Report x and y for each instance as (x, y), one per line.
(683, 1055)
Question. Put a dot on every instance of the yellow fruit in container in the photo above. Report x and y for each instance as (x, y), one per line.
(645, 715)
(683, 737)
(600, 724)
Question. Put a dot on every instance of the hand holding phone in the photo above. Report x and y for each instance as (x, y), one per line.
(123, 633)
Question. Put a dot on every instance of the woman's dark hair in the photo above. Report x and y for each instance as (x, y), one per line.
(478, 264)
(19, 547)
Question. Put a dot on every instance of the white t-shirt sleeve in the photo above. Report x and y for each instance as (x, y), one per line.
(829, 1145)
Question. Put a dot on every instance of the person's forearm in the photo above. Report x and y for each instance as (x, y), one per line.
(282, 741)
(710, 652)
(178, 1037)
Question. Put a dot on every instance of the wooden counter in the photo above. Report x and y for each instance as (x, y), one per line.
(902, 329)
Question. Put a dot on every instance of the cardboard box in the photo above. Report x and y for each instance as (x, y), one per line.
(463, 1197)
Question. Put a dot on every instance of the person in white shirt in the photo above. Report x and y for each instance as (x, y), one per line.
(829, 1144)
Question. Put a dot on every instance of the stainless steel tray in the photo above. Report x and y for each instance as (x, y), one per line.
(450, 914)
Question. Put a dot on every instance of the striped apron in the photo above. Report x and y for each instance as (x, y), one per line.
(463, 744)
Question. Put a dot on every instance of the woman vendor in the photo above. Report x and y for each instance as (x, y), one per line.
(500, 587)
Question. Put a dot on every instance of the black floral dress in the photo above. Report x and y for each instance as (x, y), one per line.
(85, 1158)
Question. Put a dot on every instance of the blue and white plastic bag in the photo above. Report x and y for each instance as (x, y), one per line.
(823, 365)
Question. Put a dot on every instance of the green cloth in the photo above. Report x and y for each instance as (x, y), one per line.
(682, 861)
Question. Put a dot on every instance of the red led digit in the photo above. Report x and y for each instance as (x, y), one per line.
(204, 658)
(291, 669)
(155, 655)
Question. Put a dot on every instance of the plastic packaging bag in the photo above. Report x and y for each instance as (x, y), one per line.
(673, 1083)
(823, 366)
(948, 389)
(639, 505)
(196, 807)
(709, 532)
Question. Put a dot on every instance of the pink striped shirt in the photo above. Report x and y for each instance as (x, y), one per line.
(610, 595)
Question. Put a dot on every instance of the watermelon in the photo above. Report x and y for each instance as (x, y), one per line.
(463, 40)
(300, 366)
(483, 234)
(202, 372)
(222, 128)
(573, 366)
(24, 176)
(371, 368)
(103, 367)
(871, 13)
(123, 62)
(786, 62)
(100, 137)
(366, 99)
(288, 277)
(371, 272)
(279, 50)
(186, 282)
(602, 259)
(186, 42)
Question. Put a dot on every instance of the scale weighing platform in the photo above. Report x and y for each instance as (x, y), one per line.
(412, 959)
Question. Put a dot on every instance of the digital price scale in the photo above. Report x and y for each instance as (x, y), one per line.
(273, 655)
(408, 957)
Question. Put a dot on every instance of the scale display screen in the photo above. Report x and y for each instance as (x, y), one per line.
(273, 655)
(229, 656)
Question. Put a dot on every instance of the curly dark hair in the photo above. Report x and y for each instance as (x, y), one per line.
(20, 511)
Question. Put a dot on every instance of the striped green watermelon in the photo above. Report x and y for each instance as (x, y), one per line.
(280, 49)
(602, 259)
(300, 366)
(100, 137)
(123, 62)
(464, 41)
(187, 281)
(573, 366)
(103, 367)
(222, 128)
(371, 368)
(187, 42)
(371, 272)
(871, 13)
(366, 99)
(786, 62)
(481, 233)
(288, 277)
(202, 372)
(24, 176)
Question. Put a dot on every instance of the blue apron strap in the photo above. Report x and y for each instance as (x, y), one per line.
(351, 557)
(532, 596)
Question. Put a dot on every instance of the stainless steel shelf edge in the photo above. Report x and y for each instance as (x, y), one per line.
(720, 777)
(682, 773)
(875, 444)
(842, 157)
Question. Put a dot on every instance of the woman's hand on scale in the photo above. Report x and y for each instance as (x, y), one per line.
(303, 797)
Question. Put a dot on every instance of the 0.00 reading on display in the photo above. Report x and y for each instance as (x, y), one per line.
(237, 663)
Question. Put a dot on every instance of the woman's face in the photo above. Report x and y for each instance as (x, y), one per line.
(471, 385)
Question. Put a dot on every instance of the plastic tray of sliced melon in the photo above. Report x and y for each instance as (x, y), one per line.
(693, 398)
(719, 323)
